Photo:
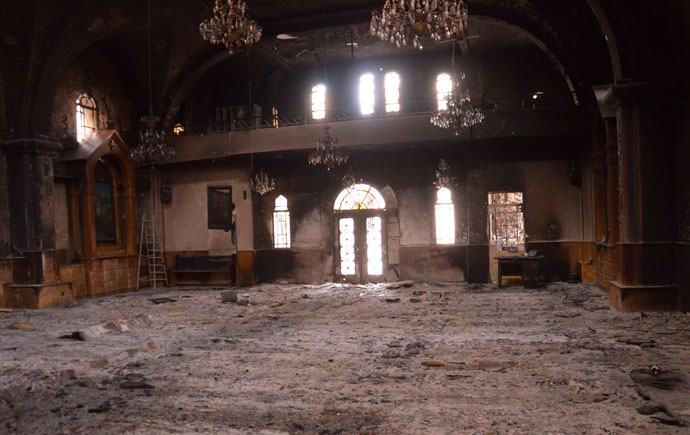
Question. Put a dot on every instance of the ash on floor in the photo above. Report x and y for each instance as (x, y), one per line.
(338, 359)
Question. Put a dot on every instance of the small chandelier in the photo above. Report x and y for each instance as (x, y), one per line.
(402, 21)
(327, 151)
(230, 26)
(151, 149)
(350, 180)
(443, 179)
(262, 184)
(459, 112)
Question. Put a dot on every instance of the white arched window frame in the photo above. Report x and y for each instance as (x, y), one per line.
(318, 102)
(359, 197)
(391, 86)
(87, 117)
(444, 88)
(281, 223)
(367, 98)
(445, 217)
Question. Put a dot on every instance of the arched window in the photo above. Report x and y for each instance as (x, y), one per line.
(87, 117)
(444, 87)
(391, 84)
(359, 197)
(281, 223)
(318, 102)
(445, 217)
(366, 94)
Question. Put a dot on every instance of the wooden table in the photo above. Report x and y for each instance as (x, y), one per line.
(527, 265)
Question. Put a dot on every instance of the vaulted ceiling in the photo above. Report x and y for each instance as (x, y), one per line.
(41, 38)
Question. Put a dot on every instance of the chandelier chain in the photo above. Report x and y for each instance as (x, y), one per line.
(151, 148)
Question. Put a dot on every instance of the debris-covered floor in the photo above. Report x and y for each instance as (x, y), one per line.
(345, 359)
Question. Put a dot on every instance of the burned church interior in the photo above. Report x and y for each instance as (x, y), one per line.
(345, 216)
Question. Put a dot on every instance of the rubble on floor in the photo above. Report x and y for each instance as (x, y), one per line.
(339, 358)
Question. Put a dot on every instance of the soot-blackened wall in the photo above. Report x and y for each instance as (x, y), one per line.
(541, 168)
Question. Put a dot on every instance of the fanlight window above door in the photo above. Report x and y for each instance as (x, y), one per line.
(359, 197)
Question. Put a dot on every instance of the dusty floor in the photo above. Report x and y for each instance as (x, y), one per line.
(343, 359)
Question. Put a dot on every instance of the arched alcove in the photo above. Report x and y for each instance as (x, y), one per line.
(102, 217)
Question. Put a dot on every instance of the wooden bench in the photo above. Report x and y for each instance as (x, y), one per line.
(204, 265)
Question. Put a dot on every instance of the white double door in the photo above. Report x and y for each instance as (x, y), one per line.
(360, 247)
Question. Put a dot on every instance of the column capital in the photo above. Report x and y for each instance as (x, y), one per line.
(30, 146)
(628, 91)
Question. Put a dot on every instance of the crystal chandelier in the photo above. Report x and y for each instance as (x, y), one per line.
(350, 179)
(459, 112)
(327, 152)
(230, 26)
(262, 183)
(405, 21)
(443, 179)
(151, 149)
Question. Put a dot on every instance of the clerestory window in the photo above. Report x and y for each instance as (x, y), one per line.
(318, 102)
(391, 84)
(444, 87)
(367, 99)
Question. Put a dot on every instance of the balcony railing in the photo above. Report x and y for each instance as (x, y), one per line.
(488, 104)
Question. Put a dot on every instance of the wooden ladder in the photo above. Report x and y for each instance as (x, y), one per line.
(154, 255)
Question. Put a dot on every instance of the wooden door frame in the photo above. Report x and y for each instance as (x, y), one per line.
(359, 217)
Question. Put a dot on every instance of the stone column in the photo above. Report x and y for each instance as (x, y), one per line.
(646, 253)
(612, 180)
(5, 244)
(600, 192)
(30, 191)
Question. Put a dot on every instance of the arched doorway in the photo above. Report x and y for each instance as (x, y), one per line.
(360, 232)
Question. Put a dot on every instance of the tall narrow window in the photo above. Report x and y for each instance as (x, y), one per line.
(281, 223)
(318, 102)
(366, 94)
(445, 217)
(391, 85)
(87, 117)
(444, 87)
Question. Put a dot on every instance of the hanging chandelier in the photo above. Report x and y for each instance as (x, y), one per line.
(459, 112)
(327, 152)
(151, 148)
(349, 179)
(411, 21)
(443, 179)
(262, 183)
(230, 26)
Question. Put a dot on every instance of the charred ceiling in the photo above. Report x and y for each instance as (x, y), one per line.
(43, 39)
